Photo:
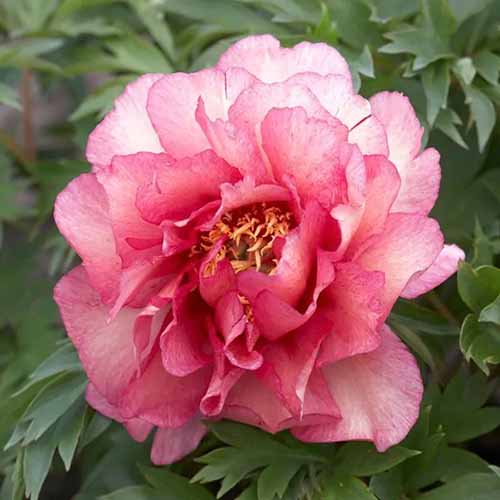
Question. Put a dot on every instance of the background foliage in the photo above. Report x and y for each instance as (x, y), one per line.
(62, 62)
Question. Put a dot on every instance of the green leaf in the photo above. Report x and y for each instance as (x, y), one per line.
(352, 22)
(337, 486)
(480, 342)
(137, 55)
(468, 487)
(464, 69)
(69, 430)
(275, 478)
(9, 96)
(482, 112)
(436, 81)
(134, 493)
(51, 403)
(224, 13)
(37, 459)
(101, 101)
(154, 20)
(488, 66)
(478, 287)
(483, 247)
(491, 313)
(388, 485)
(447, 121)
(173, 486)
(17, 477)
(385, 10)
(362, 459)
(463, 9)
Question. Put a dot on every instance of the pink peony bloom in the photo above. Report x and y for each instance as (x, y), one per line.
(244, 233)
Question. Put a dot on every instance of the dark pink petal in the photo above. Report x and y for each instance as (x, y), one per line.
(352, 307)
(378, 395)
(440, 270)
(184, 343)
(127, 129)
(178, 190)
(409, 244)
(420, 176)
(213, 287)
(173, 100)
(230, 316)
(172, 444)
(106, 350)
(82, 215)
(163, 399)
(263, 57)
(306, 149)
(289, 362)
(137, 428)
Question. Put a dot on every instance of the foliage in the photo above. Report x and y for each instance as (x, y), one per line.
(79, 55)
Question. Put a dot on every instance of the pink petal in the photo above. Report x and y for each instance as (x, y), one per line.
(263, 57)
(138, 429)
(184, 345)
(351, 331)
(409, 244)
(106, 350)
(184, 187)
(173, 100)
(230, 316)
(289, 362)
(383, 184)
(213, 287)
(82, 215)
(440, 270)
(172, 444)
(420, 176)
(121, 182)
(127, 129)
(163, 399)
(306, 149)
(253, 104)
(378, 395)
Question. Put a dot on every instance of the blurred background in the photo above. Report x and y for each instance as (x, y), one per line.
(63, 62)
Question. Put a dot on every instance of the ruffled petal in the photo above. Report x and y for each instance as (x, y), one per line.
(263, 57)
(378, 395)
(173, 100)
(127, 129)
(306, 149)
(409, 244)
(106, 350)
(178, 190)
(82, 215)
(163, 399)
(420, 176)
(353, 309)
(440, 270)
(172, 444)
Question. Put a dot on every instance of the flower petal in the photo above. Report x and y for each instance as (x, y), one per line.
(440, 270)
(172, 444)
(82, 215)
(420, 176)
(263, 57)
(106, 350)
(351, 305)
(409, 243)
(308, 150)
(173, 100)
(378, 395)
(127, 129)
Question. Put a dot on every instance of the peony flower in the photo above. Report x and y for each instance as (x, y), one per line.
(244, 233)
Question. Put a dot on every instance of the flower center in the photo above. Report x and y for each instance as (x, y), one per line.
(248, 236)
